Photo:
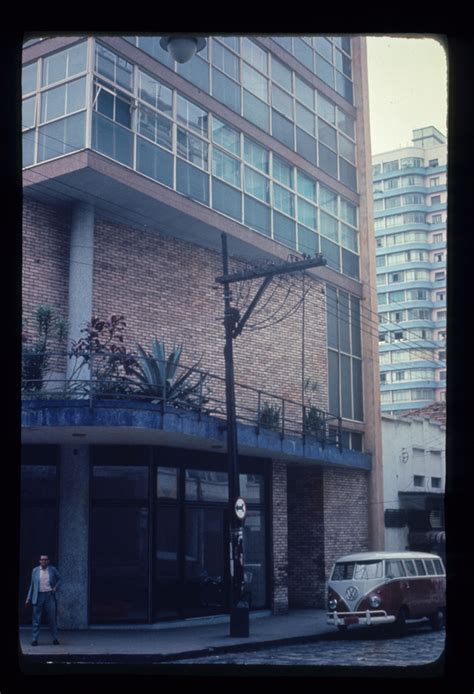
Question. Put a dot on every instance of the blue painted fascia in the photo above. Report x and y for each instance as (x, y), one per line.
(110, 413)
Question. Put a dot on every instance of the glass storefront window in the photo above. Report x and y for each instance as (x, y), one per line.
(119, 482)
(206, 485)
(167, 483)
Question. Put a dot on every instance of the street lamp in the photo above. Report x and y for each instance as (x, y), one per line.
(182, 48)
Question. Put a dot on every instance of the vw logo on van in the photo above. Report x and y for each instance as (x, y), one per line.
(351, 593)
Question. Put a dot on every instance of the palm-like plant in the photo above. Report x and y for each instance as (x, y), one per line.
(158, 376)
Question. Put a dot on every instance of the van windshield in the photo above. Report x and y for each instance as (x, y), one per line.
(346, 571)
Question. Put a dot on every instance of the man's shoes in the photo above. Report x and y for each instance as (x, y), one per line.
(55, 642)
(34, 643)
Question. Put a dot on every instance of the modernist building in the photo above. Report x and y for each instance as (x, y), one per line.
(410, 208)
(134, 166)
(414, 473)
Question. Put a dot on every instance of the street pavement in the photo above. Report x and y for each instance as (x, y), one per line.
(166, 642)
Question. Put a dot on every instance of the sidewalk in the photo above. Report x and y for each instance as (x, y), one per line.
(167, 642)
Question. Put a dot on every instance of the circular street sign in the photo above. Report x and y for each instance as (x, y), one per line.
(240, 508)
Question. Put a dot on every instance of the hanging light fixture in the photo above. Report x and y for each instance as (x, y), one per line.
(182, 48)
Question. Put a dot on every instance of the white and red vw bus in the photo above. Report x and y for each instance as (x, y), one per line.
(387, 587)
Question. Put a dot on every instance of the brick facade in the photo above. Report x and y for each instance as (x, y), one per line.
(46, 230)
(306, 537)
(346, 517)
(280, 559)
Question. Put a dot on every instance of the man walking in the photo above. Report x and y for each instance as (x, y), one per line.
(45, 581)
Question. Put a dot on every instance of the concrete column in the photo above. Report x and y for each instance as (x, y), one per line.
(279, 598)
(73, 537)
(81, 259)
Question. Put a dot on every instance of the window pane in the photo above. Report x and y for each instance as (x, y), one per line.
(191, 116)
(307, 240)
(226, 199)
(255, 557)
(167, 483)
(306, 185)
(155, 93)
(326, 109)
(119, 482)
(324, 70)
(330, 251)
(54, 68)
(28, 147)
(333, 381)
(282, 129)
(28, 112)
(225, 136)
(284, 230)
(111, 139)
(281, 74)
(282, 171)
(53, 103)
(348, 212)
(155, 127)
(349, 237)
(327, 199)
(226, 167)
(327, 160)
(192, 148)
(255, 111)
(304, 92)
(206, 485)
(357, 389)
(154, 162)
(196, 72)
(256, 184)
(119, 564)
(28, 78)
(225, 60)
(323, 47)
(61, 137)
(256, 155)
(328, 226)
(257, 215)
(347, 174)
(346, 397)
(347, 148)
(306, 146)
(76, 95)
(256, 83)
(283, 200)
(77, 59)
(192, 182)
(303, 52)
(167, 598)
(326, 134)
(255, 55)
(307, 214)
(350, 263)
(282, 101)
(304, 118)
(226, 90)
(332, 321)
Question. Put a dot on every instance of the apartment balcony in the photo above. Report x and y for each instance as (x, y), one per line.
(107, 401)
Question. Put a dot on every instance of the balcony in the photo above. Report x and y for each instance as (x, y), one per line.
(105, 401)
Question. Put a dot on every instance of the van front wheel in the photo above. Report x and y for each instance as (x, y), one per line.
(437, 620)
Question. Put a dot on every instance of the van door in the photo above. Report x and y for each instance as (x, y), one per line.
(415, 589)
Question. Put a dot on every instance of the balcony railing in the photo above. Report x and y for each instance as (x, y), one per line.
(116, 377)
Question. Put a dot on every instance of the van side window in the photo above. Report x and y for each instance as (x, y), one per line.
(438, 567)
(343, 571)
(410, 567)
(394, 569)
(429, 566)
(420, 567)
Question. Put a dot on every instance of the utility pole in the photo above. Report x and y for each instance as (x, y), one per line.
(234, 324)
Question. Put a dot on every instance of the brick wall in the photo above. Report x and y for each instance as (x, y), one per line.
(165, 288)
(305, 537)
(45, 259)
(279, 598)
(346, 513)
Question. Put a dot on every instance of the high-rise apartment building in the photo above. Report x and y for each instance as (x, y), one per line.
(134, 167)
(410, 210)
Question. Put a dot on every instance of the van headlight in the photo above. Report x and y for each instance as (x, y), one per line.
(375, 601)
(332, 604)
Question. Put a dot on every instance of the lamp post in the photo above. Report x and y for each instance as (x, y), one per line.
(182, 48)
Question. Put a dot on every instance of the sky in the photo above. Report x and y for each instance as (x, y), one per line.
(407, 89)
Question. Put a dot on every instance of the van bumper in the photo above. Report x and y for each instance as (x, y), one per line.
(367, 618)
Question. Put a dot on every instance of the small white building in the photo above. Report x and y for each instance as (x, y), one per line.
(414, 479)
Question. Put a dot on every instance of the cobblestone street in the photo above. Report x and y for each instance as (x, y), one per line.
(419, 646)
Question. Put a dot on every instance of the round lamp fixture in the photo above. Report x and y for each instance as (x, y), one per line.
(182, 48)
